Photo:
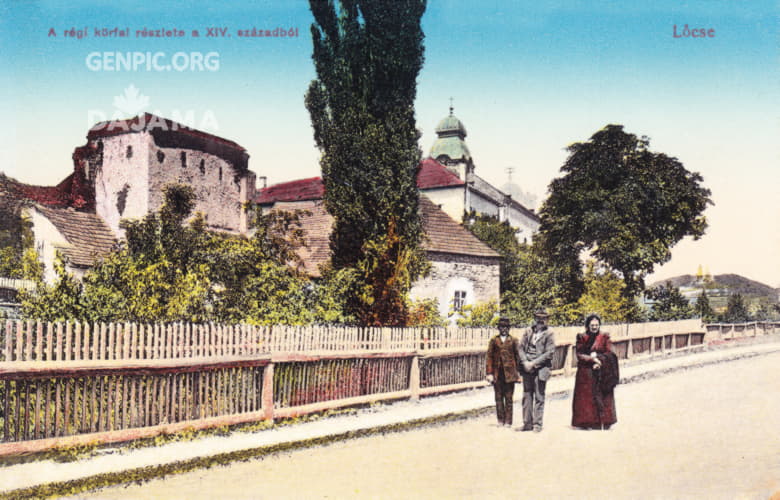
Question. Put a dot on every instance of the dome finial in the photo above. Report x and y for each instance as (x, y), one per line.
(451, 107)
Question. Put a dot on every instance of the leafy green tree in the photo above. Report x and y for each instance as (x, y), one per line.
(425, 312)
(61, 301)
(528, 278)
(18, 258)
(367, 55)
(258, 278)
(668, 303)
(500, 236)
(331, 295)
(736, 309)
(483, 314)
(624, 204)
(702, 308)
(604, 295)
(171, 271)
(760, 309)
(543, 282)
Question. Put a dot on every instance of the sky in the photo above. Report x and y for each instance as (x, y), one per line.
(526, 79)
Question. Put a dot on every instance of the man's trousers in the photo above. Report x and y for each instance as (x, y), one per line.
(533, 399)
(504, 392)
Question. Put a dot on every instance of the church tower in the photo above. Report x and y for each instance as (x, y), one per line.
(450, 147)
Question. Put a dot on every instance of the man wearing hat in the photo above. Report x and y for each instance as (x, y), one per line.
(535, 352)
(501, 370)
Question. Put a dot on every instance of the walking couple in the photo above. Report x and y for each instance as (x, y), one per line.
(593, 405)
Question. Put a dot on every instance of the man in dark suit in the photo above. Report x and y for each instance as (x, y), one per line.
(535, 352)
(502, 372)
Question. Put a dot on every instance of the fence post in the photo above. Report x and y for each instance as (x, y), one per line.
(568, 360)
(8, 337)
(268, 391)
(38, 341)
(414, 378)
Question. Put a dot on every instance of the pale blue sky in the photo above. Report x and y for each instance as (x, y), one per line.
(527, 79)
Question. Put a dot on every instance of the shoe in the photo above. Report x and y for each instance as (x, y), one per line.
(537, 428)
(524, 428)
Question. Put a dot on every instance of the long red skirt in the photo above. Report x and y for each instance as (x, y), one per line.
(587, 411)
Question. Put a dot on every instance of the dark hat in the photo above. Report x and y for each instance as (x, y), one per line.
(541, 313)
(503, 322)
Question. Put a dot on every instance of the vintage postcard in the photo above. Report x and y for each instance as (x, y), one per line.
(106, 103)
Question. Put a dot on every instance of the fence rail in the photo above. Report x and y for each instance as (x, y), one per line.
(70, 383)
(66, 341)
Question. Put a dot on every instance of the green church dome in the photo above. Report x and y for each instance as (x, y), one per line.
(449, 126)
(450, 142)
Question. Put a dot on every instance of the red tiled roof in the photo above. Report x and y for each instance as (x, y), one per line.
(148, 121)
(432, 175)
(300, 190)
(435, 175)
(443, 234)
(447, 236)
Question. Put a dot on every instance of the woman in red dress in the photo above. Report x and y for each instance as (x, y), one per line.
(594, 402)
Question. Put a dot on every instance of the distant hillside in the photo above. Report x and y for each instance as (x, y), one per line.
(678, 281)
(734, 282)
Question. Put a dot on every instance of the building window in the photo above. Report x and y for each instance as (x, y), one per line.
(502, 213)
(459, 300)
(160, 156)
(202, 166)
(129, 153)
(220, 173)
(183, 159)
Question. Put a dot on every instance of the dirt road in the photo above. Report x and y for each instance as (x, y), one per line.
(710, 432)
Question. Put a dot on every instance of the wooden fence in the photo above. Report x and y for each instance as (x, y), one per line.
(46, 341)
(69, 383)
(732, 331)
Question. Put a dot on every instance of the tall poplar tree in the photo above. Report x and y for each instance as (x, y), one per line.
(367, 55)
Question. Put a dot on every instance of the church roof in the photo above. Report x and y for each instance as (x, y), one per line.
(451, 126)
(487, 190)
(432, 175)
(435, 175)
(453, 148)
(450, 142)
